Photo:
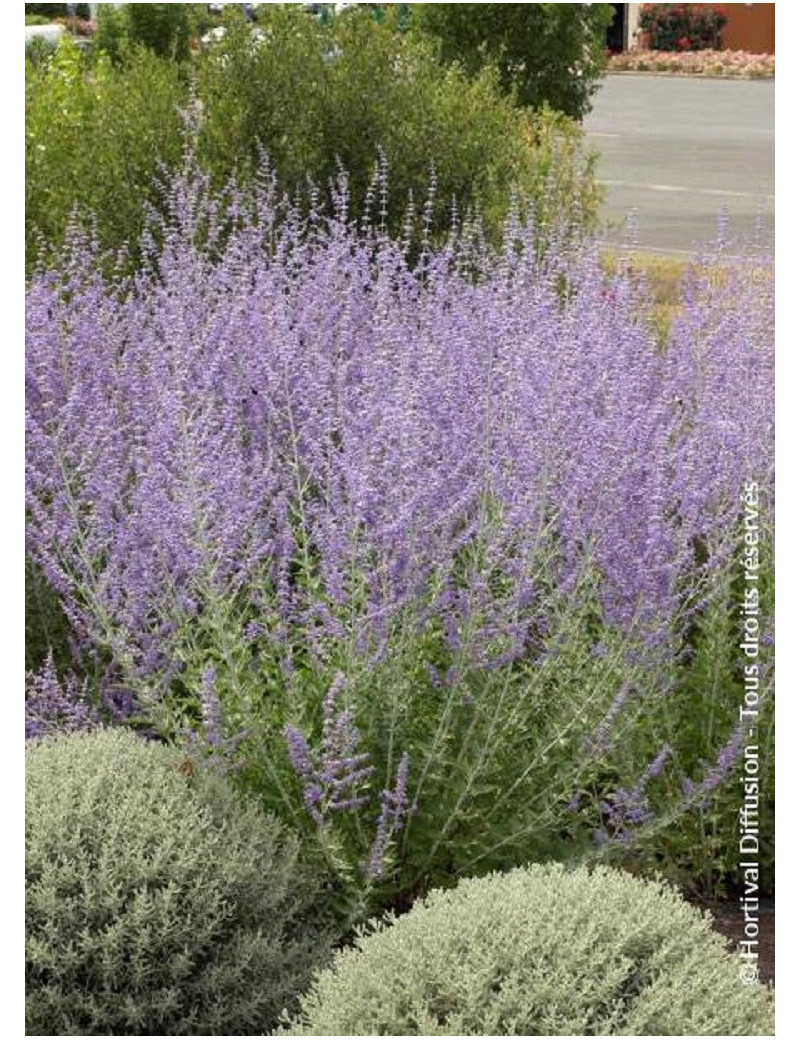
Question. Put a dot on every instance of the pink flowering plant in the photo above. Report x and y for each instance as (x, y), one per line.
(422, 541)
(696, 63)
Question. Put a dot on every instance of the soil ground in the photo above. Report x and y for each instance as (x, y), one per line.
(728, 921)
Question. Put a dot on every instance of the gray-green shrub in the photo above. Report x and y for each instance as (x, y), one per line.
(156, 903)
(540, 951)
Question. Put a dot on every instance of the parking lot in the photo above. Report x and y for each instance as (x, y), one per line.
(676, 151)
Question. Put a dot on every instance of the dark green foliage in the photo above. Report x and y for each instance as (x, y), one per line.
(156, 902)
(700, 851)
(201, 19)
(51, 11)
(549, 54)
(683, 27)
(111, 38)
(319, 100)
(163, 29)
(539, 952)
(46, 627)
(315, 100)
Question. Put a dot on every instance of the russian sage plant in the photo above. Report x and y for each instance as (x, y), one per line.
(442, 524)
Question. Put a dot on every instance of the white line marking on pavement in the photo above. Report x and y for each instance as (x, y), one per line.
(691, 191)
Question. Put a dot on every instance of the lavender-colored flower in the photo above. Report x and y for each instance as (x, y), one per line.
(627, 809)
(238, 408)
(53, 705)
(217, 750)
(252, 631)
(600, 741)
(314, 796)
(699, 793)
(333, 778)
(394, 809)
(656, 767)
(290, 418)
(299, 752)
(433, 675)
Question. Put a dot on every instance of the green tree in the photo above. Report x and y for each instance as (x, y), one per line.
(546, 53)
(319, 99)
(162, 28)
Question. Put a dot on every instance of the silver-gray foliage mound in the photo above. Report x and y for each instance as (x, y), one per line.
(156, 903)
(540, 951)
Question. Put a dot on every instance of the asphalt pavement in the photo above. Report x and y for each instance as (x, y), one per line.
(676, 151)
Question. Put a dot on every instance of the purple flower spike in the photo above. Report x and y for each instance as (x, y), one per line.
(630, 808)
(334, 778)
(54, 706)
(299, 752)
(394, 810)
(217, 750)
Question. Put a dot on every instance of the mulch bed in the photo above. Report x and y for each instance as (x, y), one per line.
(728, 921)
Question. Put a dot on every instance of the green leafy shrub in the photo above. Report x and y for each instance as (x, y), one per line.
(111, 37)
(201, 19)
(683, 27)
(533, 719)
(318, 100)
(156, 904)
(550, 54)
(94, 138)
(539, 952)
(164, 29)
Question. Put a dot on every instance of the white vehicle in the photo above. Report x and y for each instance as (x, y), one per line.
(50, 34)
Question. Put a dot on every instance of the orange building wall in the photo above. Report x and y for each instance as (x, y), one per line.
(751, 27)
